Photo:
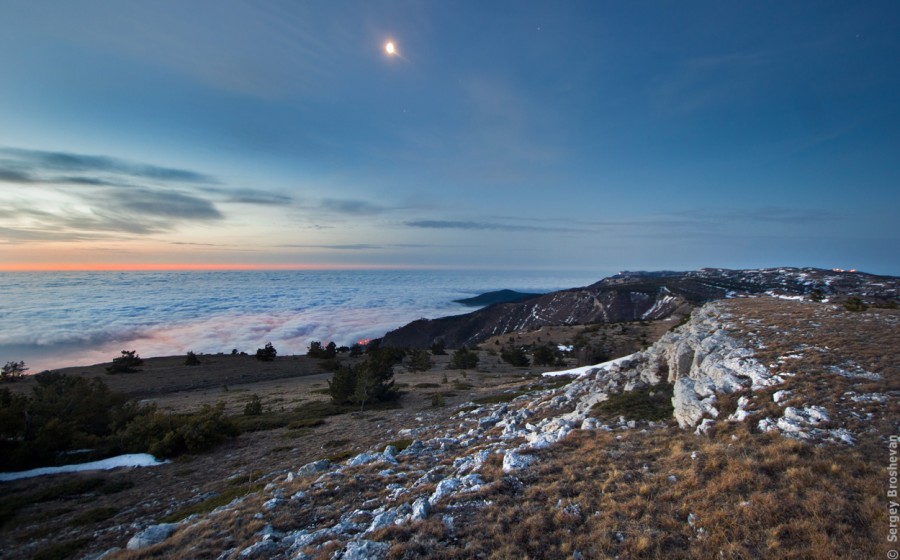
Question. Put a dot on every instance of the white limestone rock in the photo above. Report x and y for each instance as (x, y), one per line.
(152, 535)
(514, 461)
(364, 550)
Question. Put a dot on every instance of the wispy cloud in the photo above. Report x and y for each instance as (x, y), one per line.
(357, 246)
(351, 207)
(489, 226)
(75, 197)
(43, 165)
(764, 214)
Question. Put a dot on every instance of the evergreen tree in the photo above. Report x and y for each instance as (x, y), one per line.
(418, 361)
(126, 363)
(464, 359)
(266, 354)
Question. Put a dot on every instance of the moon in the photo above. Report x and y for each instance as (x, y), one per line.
(389, 48)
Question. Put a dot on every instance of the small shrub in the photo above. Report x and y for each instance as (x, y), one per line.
(437, 400)
(266, 354)
(515, 357)
(545, 356)
(254, 407)
(464, 359)
(126, 363)
(418, 360)
(329, 364)
(438, 349)
(315, 350)
(855, 304)
(170, 435)
(191, 359)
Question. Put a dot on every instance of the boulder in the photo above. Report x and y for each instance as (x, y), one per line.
(514, 461)
(420, 509)
(445, 488)
(152, 535)
(365, 550)
(314, 468)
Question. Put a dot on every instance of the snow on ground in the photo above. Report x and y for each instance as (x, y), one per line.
(783, 296)
(582, 371)
(131, 460)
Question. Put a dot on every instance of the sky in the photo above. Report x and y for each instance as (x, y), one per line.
(502, 135)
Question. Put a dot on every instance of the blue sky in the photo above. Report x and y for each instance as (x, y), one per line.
(589, 135)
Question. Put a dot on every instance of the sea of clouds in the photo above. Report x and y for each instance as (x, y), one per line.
(53, 320)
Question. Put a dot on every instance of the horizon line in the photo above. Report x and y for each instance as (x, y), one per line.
(140, 267)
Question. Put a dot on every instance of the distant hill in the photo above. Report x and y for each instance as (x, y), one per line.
(500, 296)
(631, 296)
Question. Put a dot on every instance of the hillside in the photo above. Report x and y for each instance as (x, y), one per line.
(743, 433)
(630, 296)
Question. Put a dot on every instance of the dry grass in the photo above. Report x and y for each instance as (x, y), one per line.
(756, 496)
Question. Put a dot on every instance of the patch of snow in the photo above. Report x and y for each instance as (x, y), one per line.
(130, 460)
(587, 370)
(782, 296)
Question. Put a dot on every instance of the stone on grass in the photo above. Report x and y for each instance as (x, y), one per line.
(314, 468)
(420, 509)
(514, 461)
(152, 535)
(365, 550)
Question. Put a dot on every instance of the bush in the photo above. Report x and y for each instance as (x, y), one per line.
(370, 381)
(64, 413)
(855, 304)
(329, 364)
(419, 360)
(464, 359)
(170, 435)
(315, 350)
(12, 371)
(191, 359)
(126, 363)
(437, 348)
(545, 356)
(254, 407)
(266, 354)
(514, 356)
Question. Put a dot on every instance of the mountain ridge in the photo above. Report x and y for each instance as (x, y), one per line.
(632, 296)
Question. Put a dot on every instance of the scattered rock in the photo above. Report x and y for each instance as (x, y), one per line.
(314, 468)
(514, 461)
(364, 550)
(152, 535)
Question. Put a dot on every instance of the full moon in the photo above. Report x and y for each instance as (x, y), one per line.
(389, 48)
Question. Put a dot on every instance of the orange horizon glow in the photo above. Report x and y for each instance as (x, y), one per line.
(138, 267)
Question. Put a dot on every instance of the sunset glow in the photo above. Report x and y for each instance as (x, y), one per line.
(337, 135)
(132, 267)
